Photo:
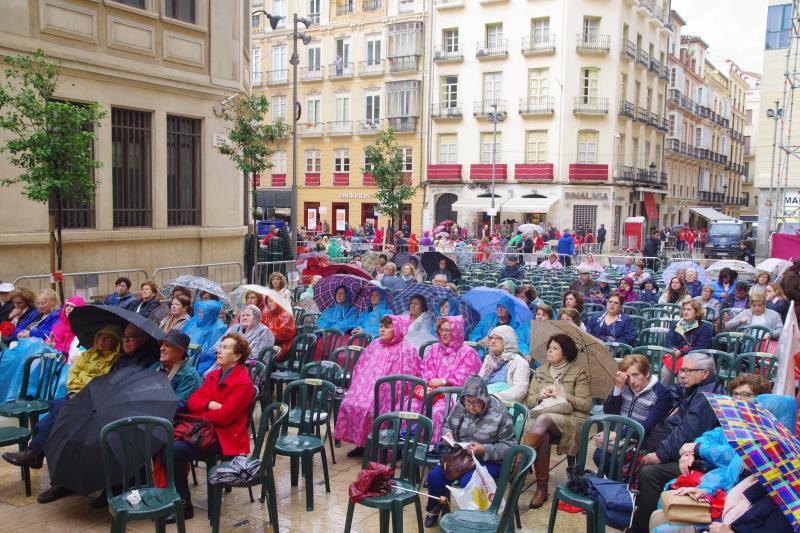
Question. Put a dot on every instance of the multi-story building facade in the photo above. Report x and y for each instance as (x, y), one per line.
(705, 113)
(752, 112)
(580, 89)
(737, 198)
(165, 196)
(786, 173)
(361, 72)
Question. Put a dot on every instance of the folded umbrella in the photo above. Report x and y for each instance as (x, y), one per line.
(593, 355)
(86, 320)
(239, 470)
(373, 481)
(766, 447)
(73, 449)
(485, 300)
(325, 290)
(430, 262)
(434, 296)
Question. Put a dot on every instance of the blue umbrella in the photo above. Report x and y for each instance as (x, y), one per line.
(672, 270)
(485, 299)
(434, 296)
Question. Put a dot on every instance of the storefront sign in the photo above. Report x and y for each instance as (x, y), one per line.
(341, 220)
(573, 195)
(354, 196)
(792, 199)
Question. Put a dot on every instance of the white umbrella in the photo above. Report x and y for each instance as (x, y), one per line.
(745, 270)
(238, 295)
(774, 265)
(530, 228)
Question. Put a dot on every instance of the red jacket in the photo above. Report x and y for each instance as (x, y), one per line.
(235, 394)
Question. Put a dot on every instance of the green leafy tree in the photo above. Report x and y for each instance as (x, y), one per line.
(251, 138)
(385, 162)
(48, 140)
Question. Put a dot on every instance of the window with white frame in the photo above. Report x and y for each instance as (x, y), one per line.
(408, 160)
(540, 30)
(374, 51)
(450, 40)
(367, 166)
(279, 162)
(494, 36)
(255, 66)
(671, 126)
(587, 147)
(185, 10)
(492, 87)
(591, 27)
(279, 9)
(313, 10)
(449, 88)
(313, 161)
(372, 107)
(342, 108)
(536, 146)
(589, 83)
(635, 156)
(538, 83)
(279, 71)
(698, 137)
(488, 147)
(279, 108)
(313, 58)
(313, 110)
(341, 160)
(647, 154)
(448, 149)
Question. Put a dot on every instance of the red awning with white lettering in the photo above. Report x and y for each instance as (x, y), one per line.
(650, 208)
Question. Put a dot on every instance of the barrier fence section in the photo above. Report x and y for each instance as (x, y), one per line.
(89, 285)
(228, 275)
(262, 271)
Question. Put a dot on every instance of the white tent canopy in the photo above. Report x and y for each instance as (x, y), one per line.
(711, 214)
(528, 205)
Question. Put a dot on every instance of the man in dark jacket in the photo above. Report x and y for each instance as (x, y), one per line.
(601, 236)
(527, 244)
(138, 348)
(512, 270)
(121, 296)
(651, 246)
(584, 283)
(691, 418)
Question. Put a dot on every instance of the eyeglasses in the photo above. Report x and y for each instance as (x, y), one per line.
(495, 338)
(743, 395)
(685, 370)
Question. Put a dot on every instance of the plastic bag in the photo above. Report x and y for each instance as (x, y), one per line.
(478, 494)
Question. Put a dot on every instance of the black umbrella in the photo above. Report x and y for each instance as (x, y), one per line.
(73, 449)
(87, 320)
(403, 257)
(430, 262)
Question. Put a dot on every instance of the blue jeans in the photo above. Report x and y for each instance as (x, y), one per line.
(437, 481)
(42, 429)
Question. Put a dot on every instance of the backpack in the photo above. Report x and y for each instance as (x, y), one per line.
(617, 502)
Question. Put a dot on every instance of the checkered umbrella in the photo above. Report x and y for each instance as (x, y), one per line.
(325, 290)
(434, 296)
(766, 448)
(197, 284)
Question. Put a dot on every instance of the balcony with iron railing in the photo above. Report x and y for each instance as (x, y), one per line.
(664, 74)
(277, 77)
(310, 129)
(537, 105)
(315, 73)
(407, 63)
(655, 67)
(490, 49)
(539, 44)
(642, 115)
(446, 111)
(368, 6)
(642, 58)
(584, 105)
(448, 53)
(370, 67)
(369, 126)
(628, 50)
(627, 109)
(483, 109)
(712, 197)
(340, 71)
(402, 124)
(593, 43)
(345, 8)
(341, 127)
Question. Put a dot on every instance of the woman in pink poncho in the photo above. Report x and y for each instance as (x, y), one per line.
(447, 364)
(61, 334)
(387, 355)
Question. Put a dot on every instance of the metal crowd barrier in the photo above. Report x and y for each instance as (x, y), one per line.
(89, 285)
(228, 275)
(262, 271)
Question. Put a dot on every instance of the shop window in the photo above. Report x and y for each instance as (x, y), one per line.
(583, 216)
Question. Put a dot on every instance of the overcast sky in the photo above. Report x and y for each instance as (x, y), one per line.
(733, 29)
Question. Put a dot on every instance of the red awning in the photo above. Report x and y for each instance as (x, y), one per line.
(650, 206)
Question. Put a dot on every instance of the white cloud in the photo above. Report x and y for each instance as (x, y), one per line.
(733, 29)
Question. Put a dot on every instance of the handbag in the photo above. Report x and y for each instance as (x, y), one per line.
(456, 462)
(617, 500)
(194, 430)
(685, 509)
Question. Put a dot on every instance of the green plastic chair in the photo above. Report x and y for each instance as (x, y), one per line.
(28, 407)
(424, 347)
(652, 336)
(710, 314)
(327, 340)
(297, 313)
(519, 416)
(638, 321)
(591, 307)
(302, 352)
(727, 314)
(134, 447)
(424, 459)
(667, 323)
(762, 363)
(313, 399)
(734, 342)
(725, 362)
(761, 334)
(400, 389)
(617, 462)
(193, 354)
(654, 354)
(480, 348)
(401, 456)
(659, 311)
(618, 349)
(19, 436)
(331, 372)
(639, 306)
(274, 417)
(360, 339)
(490, 520)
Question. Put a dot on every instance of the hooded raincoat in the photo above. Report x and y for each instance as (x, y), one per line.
(205, 329)
(281, 323)
(490, 321)
(94, 362)
(61, 334)
(369, 319)
(342, 316)
(453, 362)
(380, 359)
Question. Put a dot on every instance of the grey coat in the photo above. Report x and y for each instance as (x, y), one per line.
(492, 427)
(772, 318)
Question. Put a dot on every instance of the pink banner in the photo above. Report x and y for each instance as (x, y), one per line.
(785, 246)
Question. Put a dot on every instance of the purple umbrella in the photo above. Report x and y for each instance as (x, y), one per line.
(325, 290)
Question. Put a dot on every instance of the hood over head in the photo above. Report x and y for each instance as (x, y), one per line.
(455, 307)
(475, 386)
(207, 312)
(399, 327)
(508, 303)
(457, 335)
(510, 342)
(784, 408)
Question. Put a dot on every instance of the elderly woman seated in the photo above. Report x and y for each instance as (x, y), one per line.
(690, 333)
(506, 372)
(481, 420)
(757, 315)
(557, 378)
(551, 263)
(612, 325)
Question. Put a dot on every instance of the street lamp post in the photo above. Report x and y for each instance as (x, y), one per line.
(775, 114)
(495, 117)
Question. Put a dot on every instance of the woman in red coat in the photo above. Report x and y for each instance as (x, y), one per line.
(224, 399)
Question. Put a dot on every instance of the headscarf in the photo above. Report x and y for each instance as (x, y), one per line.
(205, 329)
(369, 319)
(399, 328)
(510, 348)
(62, 333)
(627, 295)
(509, 285)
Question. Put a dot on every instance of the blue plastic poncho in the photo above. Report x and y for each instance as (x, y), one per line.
(454, 309)
(716, 450)
(490, 321)
(12, 366)
(341, 316)
(369, 319)
(205, 329)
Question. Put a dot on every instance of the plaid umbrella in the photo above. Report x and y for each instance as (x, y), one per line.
(197, 283)
(344, 269)
(766, 448)
(325, 290)
(370, 260)
(434, 296)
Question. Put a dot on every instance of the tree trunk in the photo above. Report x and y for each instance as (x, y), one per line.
(59, 248)
(51, 229)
